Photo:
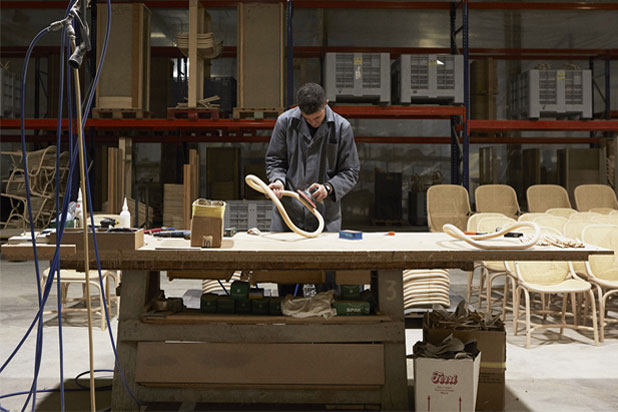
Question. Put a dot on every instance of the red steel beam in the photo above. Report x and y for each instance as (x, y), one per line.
(385, 5)
(157, 124)
(42, 138)
(405, 112)
(548, 125)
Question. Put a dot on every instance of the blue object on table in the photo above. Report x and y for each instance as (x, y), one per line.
(350, 234)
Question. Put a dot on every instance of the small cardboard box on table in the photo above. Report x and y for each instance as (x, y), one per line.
(446, 384)
(207, 223)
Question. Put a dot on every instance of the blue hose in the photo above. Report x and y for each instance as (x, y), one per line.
(39, 338)
(54, 267)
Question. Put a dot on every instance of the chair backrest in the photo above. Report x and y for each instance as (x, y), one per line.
(474, 219)
(555, 222)
(543, 272)
(602, 210)
(529, 217)
(543, 197)
(595, 196)
(561, 211)
(497, 199)
(447, 204)
(605, 236)
(573, 230)
(606, 219)
(584, 216)
(493, 223)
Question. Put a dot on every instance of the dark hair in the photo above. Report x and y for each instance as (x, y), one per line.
(311, 98)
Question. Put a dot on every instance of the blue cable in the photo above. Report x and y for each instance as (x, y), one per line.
(58, 182)
(223, 286)
(296, 289)
(60, 229)
(28, 199)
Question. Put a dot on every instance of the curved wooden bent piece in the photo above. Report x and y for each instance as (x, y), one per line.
(258, 184)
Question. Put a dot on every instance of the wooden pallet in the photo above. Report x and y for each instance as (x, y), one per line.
(115, 113)
(193, 113)
(257, 112)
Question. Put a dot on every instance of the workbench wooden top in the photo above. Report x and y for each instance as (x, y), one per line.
(377, 250)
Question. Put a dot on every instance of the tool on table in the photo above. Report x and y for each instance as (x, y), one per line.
(174, 233)
(157, 230)
(509, 234)
(306, 198)
(108, 222)
(121, 229)
(350, 234)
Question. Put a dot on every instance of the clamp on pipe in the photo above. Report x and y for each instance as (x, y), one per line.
(474, 240)
(258, 184)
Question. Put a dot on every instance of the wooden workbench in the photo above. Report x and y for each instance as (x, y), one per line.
(225, 361)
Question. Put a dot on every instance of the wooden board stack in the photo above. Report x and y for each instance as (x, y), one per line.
(207, 46)
(191, 185)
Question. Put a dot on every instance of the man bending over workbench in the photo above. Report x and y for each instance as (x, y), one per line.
(312, 148)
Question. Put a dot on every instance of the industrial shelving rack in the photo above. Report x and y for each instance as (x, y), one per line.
(248, 130)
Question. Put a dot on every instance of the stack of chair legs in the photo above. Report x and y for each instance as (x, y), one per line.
(425, 287)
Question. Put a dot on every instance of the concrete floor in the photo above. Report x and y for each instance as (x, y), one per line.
(558, 373)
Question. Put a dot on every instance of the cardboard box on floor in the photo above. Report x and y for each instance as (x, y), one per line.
(446, 384)
(492, 345)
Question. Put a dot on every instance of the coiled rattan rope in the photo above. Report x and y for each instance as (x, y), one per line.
(259, 185)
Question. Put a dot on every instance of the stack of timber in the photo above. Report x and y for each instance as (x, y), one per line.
(119, 175)
(123, 90)
(260, 55)
(206, 109)
(207, 46)
(191, 185)
(199, 46)
(223, 176)
(173, 205)
(483, 89)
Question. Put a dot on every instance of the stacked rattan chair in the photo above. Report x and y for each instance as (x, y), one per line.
(497, 199)
(543, 197)
(218, 287)
(546, 279)
(447, 204)
(42, 179)
(425, 288)
(602, 271)
(595, 198)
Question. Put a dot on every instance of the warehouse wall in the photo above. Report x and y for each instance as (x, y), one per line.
(401, 28)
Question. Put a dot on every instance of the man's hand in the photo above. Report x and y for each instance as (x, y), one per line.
(320, 191)
(277, 188)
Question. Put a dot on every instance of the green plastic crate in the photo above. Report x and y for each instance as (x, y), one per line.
(350, 292)
(243, 306)
(208, 303)
(352, 307)
(259, 306)
(225, 304)
(239, 290)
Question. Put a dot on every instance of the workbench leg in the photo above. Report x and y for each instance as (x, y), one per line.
(390, 300)
(136, 289)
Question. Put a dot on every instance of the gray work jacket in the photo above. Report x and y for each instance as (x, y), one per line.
(299, 160)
